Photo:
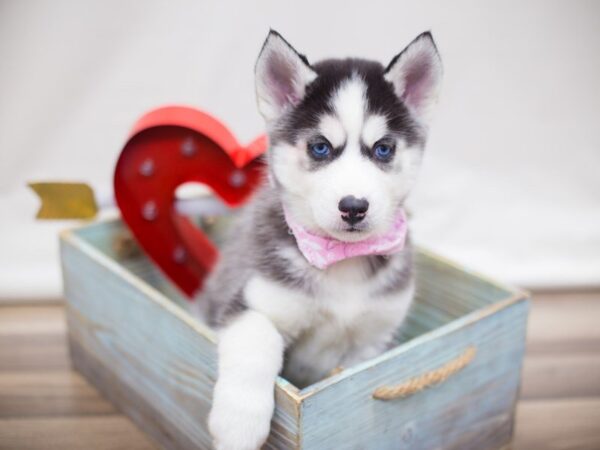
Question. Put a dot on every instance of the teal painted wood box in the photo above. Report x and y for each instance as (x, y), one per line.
(456, 368)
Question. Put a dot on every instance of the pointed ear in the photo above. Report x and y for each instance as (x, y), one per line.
(282, 75)
(416, 74)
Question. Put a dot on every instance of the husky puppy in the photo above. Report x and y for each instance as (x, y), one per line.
(318, 272)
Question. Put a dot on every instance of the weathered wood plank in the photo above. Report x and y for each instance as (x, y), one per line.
(564, 323)
(32, 338)
(565, 424)
(32, 320)
(561, 375)
(49, 393)
(145, 414)
(90, 433)
(34, 352)
(563, 345)
(30, 301)
(580, 296)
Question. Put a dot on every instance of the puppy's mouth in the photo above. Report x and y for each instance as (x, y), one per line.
(355, 229)
(362, 226)
(352, 233)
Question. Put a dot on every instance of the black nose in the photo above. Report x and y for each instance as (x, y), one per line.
(353, 209)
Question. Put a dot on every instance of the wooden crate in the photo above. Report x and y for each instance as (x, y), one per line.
(131, 336)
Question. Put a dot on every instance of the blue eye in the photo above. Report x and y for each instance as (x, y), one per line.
(383, 152)
(320, 150)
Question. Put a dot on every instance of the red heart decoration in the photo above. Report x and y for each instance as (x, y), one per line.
(166, 148)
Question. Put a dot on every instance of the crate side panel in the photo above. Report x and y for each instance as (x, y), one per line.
(285, 424)
(147, 415)
(150, 351)
(110, 236)
(443, 294)
(467, 291)
(473, 409)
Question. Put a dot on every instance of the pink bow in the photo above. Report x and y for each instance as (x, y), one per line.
(322, 251)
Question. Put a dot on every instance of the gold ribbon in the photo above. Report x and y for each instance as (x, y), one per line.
(65, 200)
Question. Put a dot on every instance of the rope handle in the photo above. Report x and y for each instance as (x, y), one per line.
(428, 379)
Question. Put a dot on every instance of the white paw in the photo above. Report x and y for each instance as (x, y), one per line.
(240, 422)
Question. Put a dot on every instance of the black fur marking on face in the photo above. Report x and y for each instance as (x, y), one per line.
(273, 32)
(317, 163)
(369, 152)
(424, 35)
(331, 73)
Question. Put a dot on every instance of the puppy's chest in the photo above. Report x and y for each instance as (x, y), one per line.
(343, 307)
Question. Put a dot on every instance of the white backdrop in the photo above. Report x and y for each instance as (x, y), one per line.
(511, 182)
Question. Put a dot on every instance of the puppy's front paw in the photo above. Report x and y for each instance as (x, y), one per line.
(241, 424)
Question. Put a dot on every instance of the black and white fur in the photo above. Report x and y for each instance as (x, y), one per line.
(275, 312)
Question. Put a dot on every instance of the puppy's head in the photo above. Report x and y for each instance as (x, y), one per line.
(347, 136)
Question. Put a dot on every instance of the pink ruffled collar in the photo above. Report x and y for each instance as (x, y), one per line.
(322, 251)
